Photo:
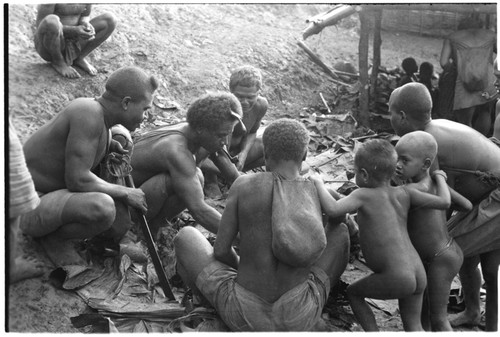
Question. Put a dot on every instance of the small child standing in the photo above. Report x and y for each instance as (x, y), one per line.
(441, 255)
(382, 209)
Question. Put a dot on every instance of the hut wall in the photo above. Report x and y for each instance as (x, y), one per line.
(427, 22)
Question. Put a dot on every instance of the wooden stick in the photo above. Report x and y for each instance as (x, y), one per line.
(160, 271)
(324, 102)
(318, 61)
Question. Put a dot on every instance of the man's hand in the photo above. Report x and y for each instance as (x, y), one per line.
(137, 199)
(86, 31)
(117, 147)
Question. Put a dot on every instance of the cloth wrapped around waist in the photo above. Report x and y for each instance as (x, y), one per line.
(298, 234)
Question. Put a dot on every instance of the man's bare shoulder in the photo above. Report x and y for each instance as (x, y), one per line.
(253, 181)
(83, 111)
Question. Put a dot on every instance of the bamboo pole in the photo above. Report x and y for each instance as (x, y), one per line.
(377, 42)
(363, 116)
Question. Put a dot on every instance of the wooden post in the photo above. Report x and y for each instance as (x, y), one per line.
(363, 115)
(377, 42)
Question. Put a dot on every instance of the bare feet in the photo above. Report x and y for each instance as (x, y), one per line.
(82, 63)
(25, 268)
(61, 252)
(66, 70)
(465, 318)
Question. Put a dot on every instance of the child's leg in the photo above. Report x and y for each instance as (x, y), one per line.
(395, 284)
(410, 308)
(440, 275)
(425, 317)
(470, 277)
(489, 267)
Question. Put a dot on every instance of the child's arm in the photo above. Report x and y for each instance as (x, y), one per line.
(440, 201)
(459, 202)
(332, 207)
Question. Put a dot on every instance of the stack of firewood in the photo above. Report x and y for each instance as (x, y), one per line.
(387, 81)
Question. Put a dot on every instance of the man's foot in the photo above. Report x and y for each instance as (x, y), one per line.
(61, 252)
(212, 190)
(465, 318)
(25, 268)
(66, 70)
(82, 63)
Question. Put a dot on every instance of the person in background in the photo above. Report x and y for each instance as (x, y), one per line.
(65, 35)
(22, 199)
(410, 68)
(470, 49)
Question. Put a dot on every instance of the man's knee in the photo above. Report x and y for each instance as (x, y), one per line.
(184, 237)
(110, 21)
(51, 23)
(101, 210)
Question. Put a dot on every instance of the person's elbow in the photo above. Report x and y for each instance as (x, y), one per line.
(445, 204)
(76, 183)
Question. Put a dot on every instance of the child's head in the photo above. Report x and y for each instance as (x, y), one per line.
(416, 152)
(410, 106)
(245, 83)
(374, 162)
(409, 65)
(285, 139)
(426, 71)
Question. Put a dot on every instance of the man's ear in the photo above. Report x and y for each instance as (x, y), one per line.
(125, 102)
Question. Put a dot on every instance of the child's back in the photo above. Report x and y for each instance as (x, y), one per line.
(382, 228)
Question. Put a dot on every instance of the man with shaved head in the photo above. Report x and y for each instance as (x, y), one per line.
(63, 157)
(472, 163)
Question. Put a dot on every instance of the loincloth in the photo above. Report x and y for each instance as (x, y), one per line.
(298, 309)
(478, 231)
(47, 217)
(71, 51)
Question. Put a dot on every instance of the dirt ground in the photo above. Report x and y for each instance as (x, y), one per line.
(191, 49)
